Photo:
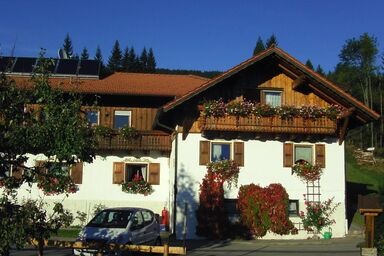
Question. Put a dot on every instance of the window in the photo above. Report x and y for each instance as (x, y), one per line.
(293, 208)
(220, 151)
(121, 118)
(304, 152)
(217, 151)
(132, 170)
(123, 172)
(93, 117)
(272, 98)
(314, 154)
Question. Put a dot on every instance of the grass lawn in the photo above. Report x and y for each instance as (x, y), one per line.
(68, 232)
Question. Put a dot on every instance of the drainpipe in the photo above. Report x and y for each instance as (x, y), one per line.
(157, 123)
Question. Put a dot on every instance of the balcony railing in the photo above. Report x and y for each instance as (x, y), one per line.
(145, 141)
(296, 125)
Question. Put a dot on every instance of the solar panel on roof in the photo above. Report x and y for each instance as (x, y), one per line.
(67, 67)
(51, 67)
(24, 65)
(6, 64)
(89, 67)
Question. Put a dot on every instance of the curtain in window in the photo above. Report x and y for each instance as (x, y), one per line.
(273, 98)
(303, 153)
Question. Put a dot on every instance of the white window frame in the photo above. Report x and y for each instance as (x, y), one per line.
(221, 143)
(122, 113)
(312, 147)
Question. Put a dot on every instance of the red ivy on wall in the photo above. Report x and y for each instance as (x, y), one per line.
(264, 209)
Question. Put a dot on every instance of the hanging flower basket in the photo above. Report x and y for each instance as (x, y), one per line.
(306, 171)
(137, 186)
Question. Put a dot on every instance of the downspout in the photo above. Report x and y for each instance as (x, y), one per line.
(157, 123)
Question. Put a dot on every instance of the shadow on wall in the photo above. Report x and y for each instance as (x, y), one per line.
(353, 190)
(186, 202)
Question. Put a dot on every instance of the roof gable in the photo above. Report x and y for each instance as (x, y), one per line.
(298, 71)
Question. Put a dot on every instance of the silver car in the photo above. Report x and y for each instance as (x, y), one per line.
(121, 226)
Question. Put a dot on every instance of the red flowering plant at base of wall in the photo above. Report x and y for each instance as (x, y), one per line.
(265, 209)
(211, 215)
(54, 184)
(137, 186)
(306, 171)
(318, 215)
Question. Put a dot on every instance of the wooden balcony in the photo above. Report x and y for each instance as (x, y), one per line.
(146, 141)
(297, 125)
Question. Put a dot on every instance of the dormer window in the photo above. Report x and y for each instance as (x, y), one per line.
(271, 97)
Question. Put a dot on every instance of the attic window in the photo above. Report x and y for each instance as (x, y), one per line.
(271, 97)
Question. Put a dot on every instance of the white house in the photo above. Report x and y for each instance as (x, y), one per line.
(177, 141)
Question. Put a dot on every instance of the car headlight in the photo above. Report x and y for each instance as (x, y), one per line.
(81, 237)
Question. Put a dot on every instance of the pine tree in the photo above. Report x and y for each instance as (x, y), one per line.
(67, 46)
(320, 70)
(151, 62)
(84, 54)
(259, 46)
(309, 64)
(143, 60)
(132, 60)
(272, 41)
(136, 64)
(114, 62)
(98, 55)
(126, 60)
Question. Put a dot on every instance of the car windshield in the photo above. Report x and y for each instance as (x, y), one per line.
(111, 219)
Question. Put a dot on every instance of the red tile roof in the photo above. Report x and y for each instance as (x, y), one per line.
(127, 84)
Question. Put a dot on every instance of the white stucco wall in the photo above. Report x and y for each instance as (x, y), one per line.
(263, 165)
(97, 186)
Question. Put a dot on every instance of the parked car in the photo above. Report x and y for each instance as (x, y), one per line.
(121, 226)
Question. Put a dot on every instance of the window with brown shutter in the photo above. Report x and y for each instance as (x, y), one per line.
(204, 152)
(320, 155)
(118, 172)
(239, 153)
(77, 173)
(154, 174)
(288, 155)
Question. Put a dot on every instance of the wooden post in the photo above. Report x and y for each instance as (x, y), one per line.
(369, 217)
(166, 249)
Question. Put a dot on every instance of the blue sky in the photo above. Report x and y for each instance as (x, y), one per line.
(194, 34)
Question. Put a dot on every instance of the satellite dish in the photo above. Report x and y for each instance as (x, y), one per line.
(62, 54)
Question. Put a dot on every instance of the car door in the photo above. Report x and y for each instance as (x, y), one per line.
(151, 229)
(137, 228)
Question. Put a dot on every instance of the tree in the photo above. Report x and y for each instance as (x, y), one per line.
(271, 41)
(259, 46)
(126, 60)
(151, 62)
(84, 54)
(320, 70)
(98, 55)
(24, 129)
(114, 62)
(143, 60)
(309, 64)
(67, 46)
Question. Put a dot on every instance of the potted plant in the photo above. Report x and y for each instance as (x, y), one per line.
(137, 186)
(306, 171)
(129, 133)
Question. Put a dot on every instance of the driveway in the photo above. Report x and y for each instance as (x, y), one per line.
(340, 246)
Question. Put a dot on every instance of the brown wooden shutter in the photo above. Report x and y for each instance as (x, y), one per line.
(154, 174)
(204, 152)
(288, 155)
(118, 172)
(239, 153)
(77, 173)
(320, 155)
(41, 166)
(17, 172)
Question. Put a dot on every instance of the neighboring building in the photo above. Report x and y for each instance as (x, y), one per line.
(177, 141)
